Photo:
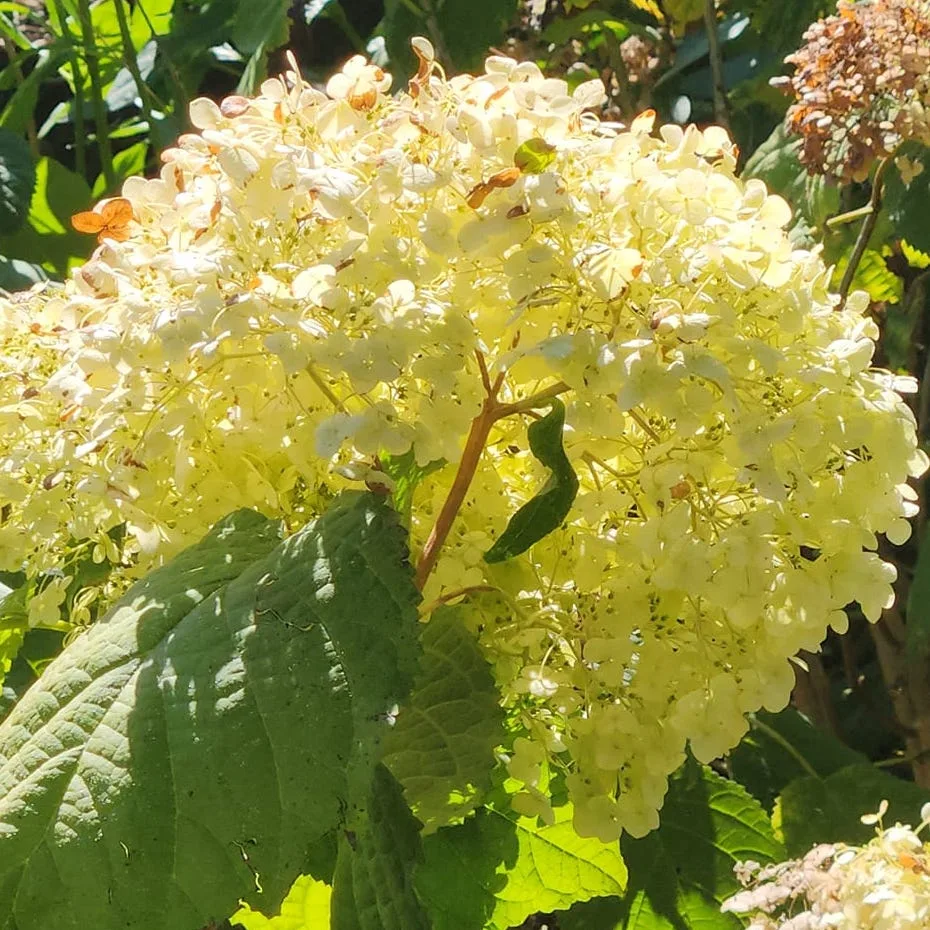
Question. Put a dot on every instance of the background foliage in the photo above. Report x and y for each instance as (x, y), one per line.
(90, 93)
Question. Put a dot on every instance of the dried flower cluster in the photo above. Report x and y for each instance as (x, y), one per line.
(884, 885)
(862, 85)
(317, 281)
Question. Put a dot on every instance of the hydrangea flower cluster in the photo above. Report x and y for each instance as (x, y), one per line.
(318, 284)
(861, 85)
(884, 885)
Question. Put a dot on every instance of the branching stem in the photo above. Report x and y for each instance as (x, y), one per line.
(491, 412)
(865, 231)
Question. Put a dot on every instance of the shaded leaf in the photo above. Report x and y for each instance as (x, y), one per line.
(545, 512)
(159, 769)
(467, 29)
(373, 885)
(441, 748)
(815, 810)
(781, 747)
(681, 872)
(47, 238)
(17, 180)
(908, 204)
(497, 868)
(564, 28)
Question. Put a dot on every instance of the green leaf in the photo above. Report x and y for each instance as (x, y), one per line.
(192, 747)
(497, 868)
(681, 872)
(260, 26)
(564, 28)
(441, 748)
(17, 179)
(873, 276)
(546, 511)
(130, 161)
(467, 29)
(812, 197)
(781, 747)
(306, 907)
(145, 18)
(914, 257)
(373, 885)
(47, 237)
(20, 108)
(815, 810)
(406, 474)
(908, 203)
(534, 156)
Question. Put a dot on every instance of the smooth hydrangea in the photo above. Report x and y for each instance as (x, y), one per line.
(315, 282)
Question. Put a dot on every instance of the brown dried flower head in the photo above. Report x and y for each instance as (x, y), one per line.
(861, 85)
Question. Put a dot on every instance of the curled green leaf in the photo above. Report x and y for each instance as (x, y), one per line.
(546, 511)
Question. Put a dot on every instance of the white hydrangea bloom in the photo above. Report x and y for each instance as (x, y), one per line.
(311, 282)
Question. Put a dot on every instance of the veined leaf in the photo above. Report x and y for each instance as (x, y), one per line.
(914, 257)
(373, 885)
(545, 512)
(680, 873)
(306, 907)
(406, 474)
(497, 868)
(873, 276)
(781, 747)
(815, 810)
(191, 747)
(441, 748)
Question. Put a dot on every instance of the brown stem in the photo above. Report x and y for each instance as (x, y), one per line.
(865, 231)
(474, 446)
(491, 412)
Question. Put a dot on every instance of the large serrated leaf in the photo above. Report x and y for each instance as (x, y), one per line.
(442, 747)
(545, 512)
(190, 748)
(17, 179)
(497, 868)
(781, 747)
(815, 810)
(680, 873)
(373, 885)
